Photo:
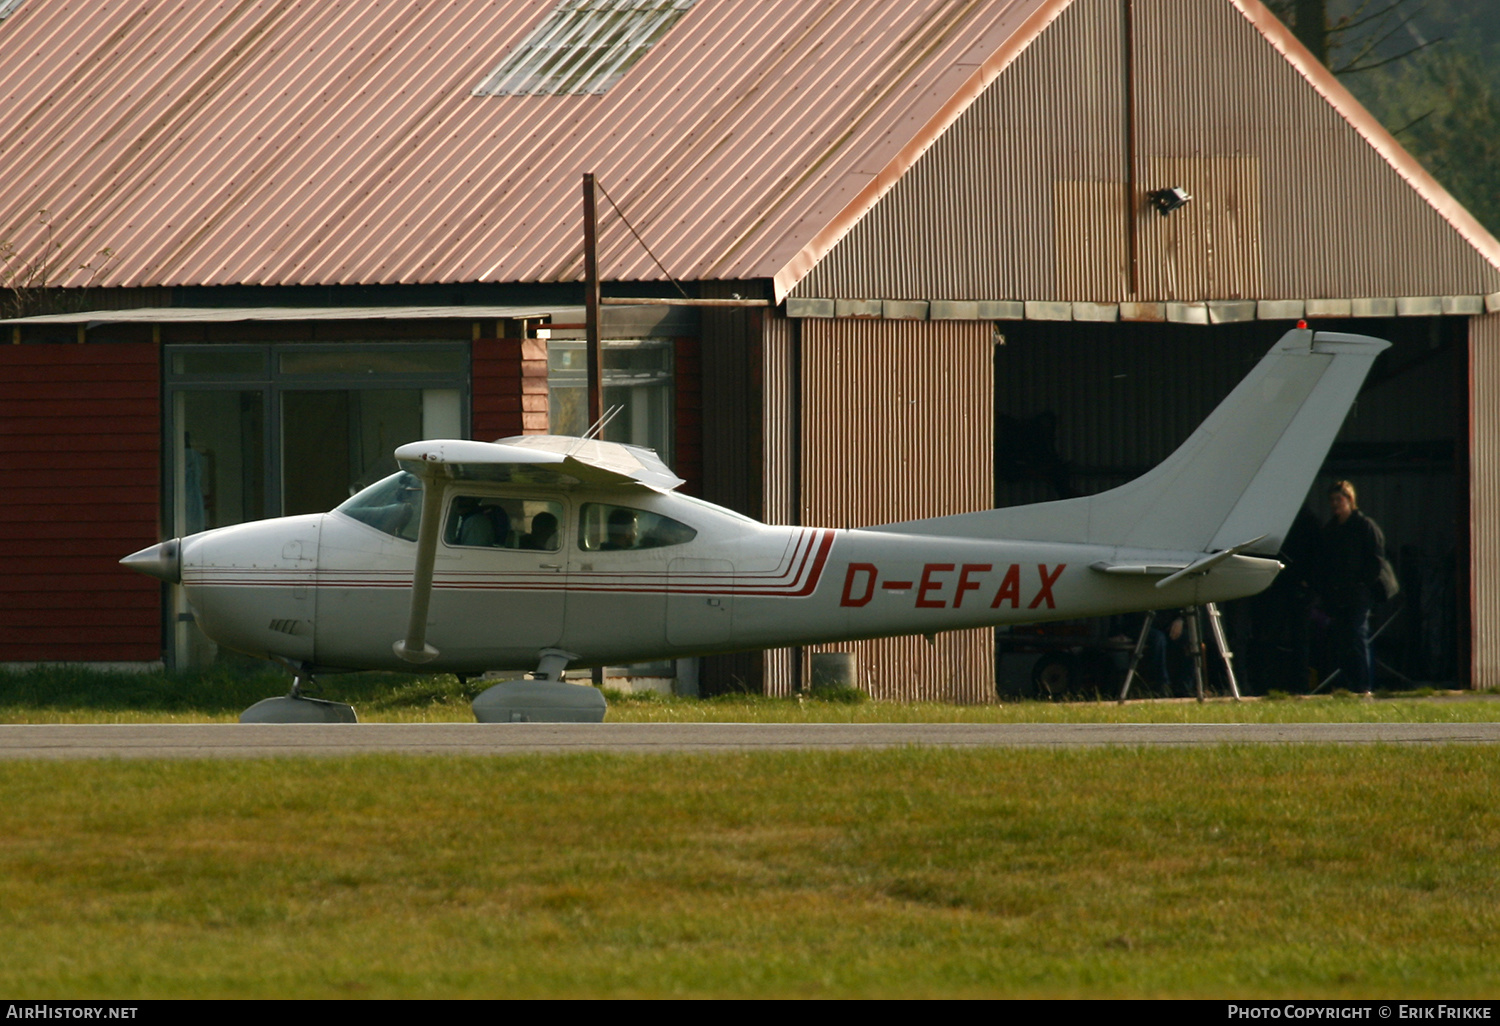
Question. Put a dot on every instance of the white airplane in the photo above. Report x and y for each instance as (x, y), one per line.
(541, 552)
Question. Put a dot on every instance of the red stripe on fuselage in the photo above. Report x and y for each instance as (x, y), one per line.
(797, 577)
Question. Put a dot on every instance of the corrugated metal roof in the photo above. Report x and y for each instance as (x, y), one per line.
(1041, 192)
(276, 142)
(269, 142)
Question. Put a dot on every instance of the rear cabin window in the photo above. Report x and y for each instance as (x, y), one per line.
(502, 522)
(605, 528)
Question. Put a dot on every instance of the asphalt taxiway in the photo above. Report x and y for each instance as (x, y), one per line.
(234, 740)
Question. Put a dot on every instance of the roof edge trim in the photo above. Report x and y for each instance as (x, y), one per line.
(1369, 127)
(993, 66)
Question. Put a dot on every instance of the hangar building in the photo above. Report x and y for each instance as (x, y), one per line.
(251, 247)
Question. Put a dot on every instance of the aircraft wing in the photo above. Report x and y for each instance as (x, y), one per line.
(552, 460)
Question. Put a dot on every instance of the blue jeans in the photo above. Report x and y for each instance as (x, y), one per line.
(1349, 645)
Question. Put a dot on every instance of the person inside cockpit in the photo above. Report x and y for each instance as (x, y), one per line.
(543, 533)
(622, 530)
(487, 525)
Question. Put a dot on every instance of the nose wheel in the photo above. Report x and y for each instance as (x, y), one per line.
(298, 707)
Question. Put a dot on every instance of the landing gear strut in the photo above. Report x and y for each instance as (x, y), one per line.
(296, 707)
(543, 699)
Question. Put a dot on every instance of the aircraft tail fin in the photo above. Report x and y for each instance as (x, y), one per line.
(1242, 474)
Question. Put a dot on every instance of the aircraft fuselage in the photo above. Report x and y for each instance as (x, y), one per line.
(332, 591)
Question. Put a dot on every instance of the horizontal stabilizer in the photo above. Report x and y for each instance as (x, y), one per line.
(1207, 563)
(1139, 569)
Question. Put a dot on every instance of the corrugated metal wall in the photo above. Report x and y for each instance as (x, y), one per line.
(1028, 188)
(897, 424)
(1484, 499)
(81, 426)
(781, 414)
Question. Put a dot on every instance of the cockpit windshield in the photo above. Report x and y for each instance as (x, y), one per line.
(392, 505)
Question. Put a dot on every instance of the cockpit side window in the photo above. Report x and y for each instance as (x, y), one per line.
(502, 522)
(392, 505)
(605, 528)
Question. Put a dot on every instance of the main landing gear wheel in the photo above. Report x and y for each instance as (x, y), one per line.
(1053, 675)
(295, 707)
(1062, 675)
(544, 699)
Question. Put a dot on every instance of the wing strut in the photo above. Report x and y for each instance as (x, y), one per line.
(414, 648)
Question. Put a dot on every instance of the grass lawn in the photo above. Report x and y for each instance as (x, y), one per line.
(1243, 871)
(76, 695)
(1271, 871)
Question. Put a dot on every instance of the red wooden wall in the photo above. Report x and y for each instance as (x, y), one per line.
(80, 449)
(509, 388)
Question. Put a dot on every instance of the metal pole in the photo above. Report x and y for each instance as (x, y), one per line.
(591, 302)
(1135, 655)
(1216, 625)
(1195, 643)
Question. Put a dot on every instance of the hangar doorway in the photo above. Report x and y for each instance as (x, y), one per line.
(1082, 407)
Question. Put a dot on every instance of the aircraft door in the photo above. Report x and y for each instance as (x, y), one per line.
(500, 579)
(700, 602)
(617, 580)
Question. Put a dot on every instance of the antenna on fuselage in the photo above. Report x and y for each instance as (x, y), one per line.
(597, 429)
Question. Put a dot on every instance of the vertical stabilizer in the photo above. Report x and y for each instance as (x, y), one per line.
(1242, 474)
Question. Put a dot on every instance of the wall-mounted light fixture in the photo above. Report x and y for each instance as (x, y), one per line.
(1167, 200)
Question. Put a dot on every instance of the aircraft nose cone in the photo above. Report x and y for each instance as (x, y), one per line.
(164, 561)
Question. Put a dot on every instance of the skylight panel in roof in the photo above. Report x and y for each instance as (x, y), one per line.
(584, 46)
(7, 6)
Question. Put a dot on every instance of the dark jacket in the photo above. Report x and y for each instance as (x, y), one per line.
(1349, 566)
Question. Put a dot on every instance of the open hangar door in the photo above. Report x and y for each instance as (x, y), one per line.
(1081, 408)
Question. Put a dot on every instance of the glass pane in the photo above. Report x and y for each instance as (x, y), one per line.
(384, 419)
(228, 362)
(336, 443)
(637, 378)
(393, 506)
(505, 523)
(218, 459)
(364, 361)
(442, 413)
(218, 479)
(315, 448)
(603, 528)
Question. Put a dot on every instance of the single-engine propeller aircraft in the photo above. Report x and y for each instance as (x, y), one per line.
(542, 552)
